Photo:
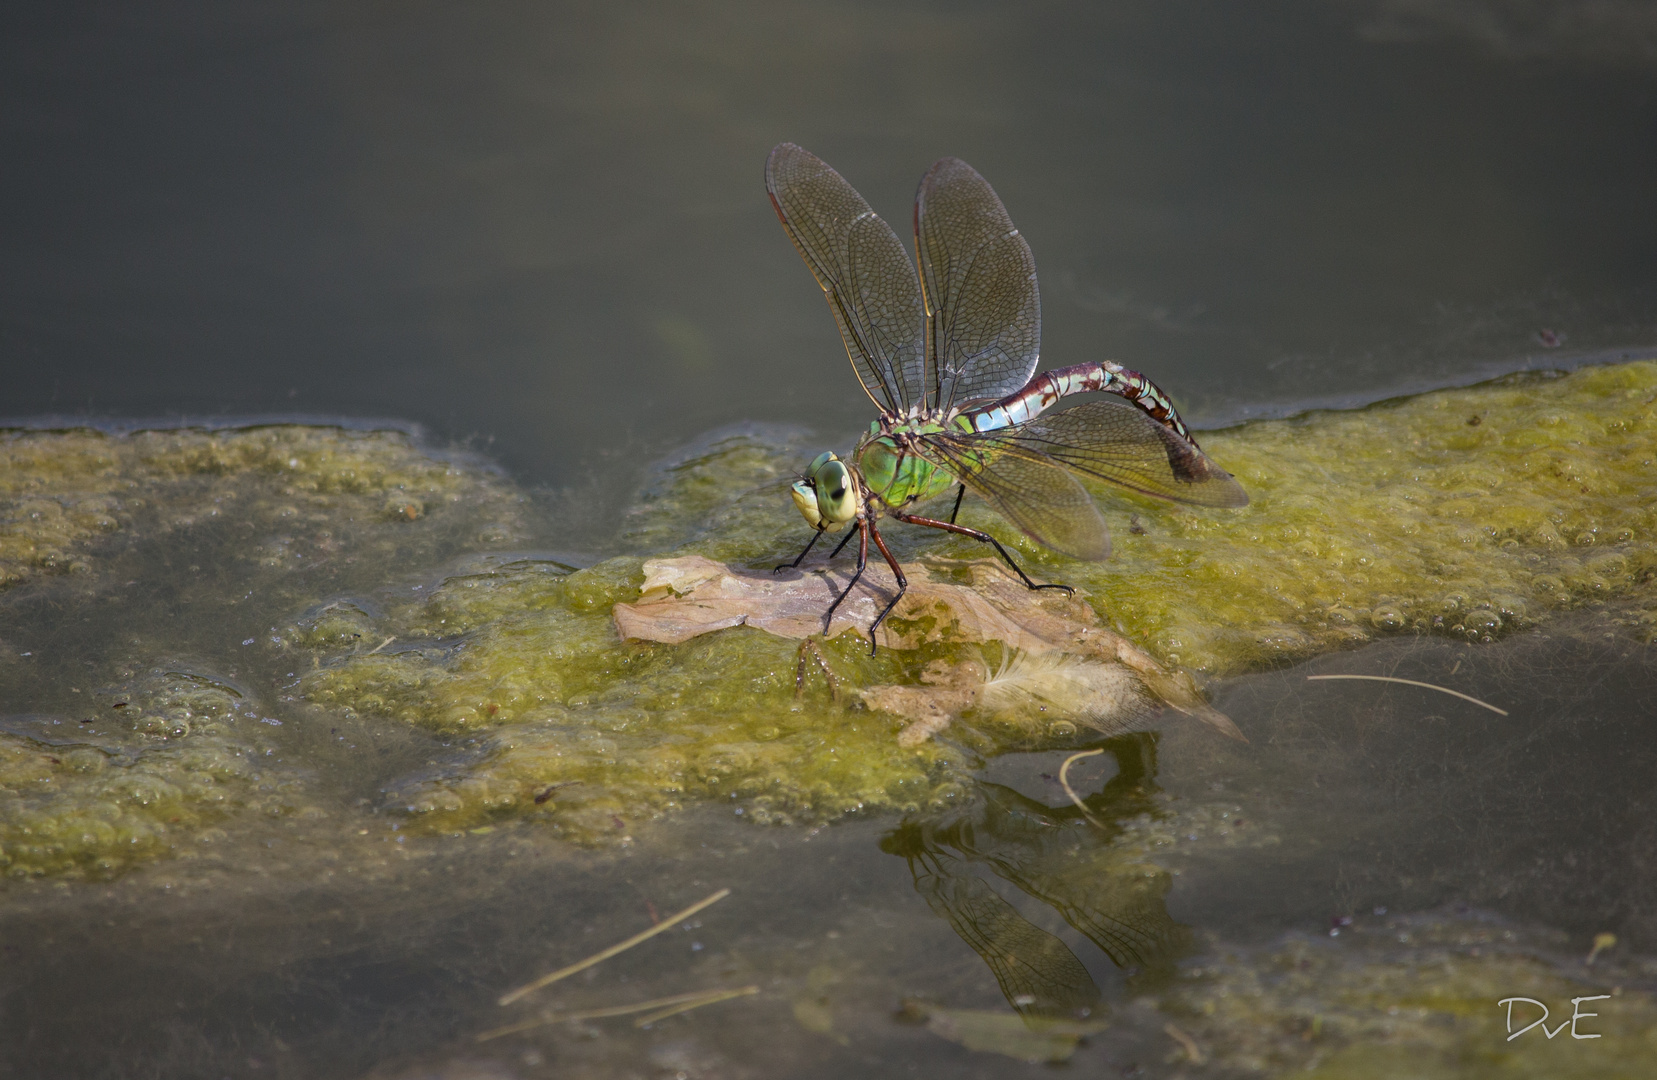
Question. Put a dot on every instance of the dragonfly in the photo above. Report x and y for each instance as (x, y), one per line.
(946, 348)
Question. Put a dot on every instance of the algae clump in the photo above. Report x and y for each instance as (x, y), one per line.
(144, 712)
(61, 492)
(169, 757)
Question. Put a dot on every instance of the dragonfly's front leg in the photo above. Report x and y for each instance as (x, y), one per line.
(809, 545)
(812, 543)
(983, 538)
(960, 493)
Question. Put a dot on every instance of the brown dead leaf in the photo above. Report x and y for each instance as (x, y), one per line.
(685, 597)
(682, 598)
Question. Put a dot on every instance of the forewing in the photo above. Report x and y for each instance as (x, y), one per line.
(863, 269)
(1118, 442)
(1029, 490)
(979, 277)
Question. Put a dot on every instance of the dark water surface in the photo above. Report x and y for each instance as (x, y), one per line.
(542, 225)
(539, 230)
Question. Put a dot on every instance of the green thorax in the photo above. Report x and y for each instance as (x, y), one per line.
(893, 470)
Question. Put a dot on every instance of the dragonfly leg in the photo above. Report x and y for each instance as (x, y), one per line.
(844, 540)
(903, 587)
(983, 538)
(960, 493)
(862, 561)
(809, 545)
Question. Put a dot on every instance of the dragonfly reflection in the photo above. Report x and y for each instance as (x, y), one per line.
(1057, 857)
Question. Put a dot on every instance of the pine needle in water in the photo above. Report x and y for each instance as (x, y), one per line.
(1412, 682)
(565, 972)
(664, 1007)
(708, 997)
(1193, 1053)
(1064, 782)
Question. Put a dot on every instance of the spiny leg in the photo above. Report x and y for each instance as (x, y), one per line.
(844, 540)
(960, 493)
(981, 537)
(903, 587)
(809, 545)
(862, 561)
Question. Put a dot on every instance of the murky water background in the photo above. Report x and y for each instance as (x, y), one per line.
(270, 696)
(543, 225)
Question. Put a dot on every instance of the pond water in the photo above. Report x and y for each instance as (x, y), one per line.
(318, 734)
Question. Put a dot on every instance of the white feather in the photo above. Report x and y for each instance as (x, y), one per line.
(1045, 688)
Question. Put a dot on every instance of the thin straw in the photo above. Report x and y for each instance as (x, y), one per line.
(1412, 682)
(1070, 791)
(695, 998)
(564, 973)
(709, 998)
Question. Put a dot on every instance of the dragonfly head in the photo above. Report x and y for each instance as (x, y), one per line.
(827, 494)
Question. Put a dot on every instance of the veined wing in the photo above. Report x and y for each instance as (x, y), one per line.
(864, 271)
(1118, 442)
(1125, 917)
(1037, 972)
(1028, 489)
(983, 330)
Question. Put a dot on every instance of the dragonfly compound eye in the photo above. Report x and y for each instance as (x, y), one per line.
(806, 499)
(836, 493)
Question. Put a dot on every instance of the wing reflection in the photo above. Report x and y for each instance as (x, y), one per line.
(1111, 897)
(1037, 972)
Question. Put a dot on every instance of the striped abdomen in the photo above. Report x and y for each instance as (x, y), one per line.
(1043, 392)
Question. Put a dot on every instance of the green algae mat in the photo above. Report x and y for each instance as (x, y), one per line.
(1465, 512)
(372, 569)
(346, 643)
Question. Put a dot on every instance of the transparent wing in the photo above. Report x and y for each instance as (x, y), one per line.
(1028, 489)
(1119, 442)
(983, 310)
(864, 271)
